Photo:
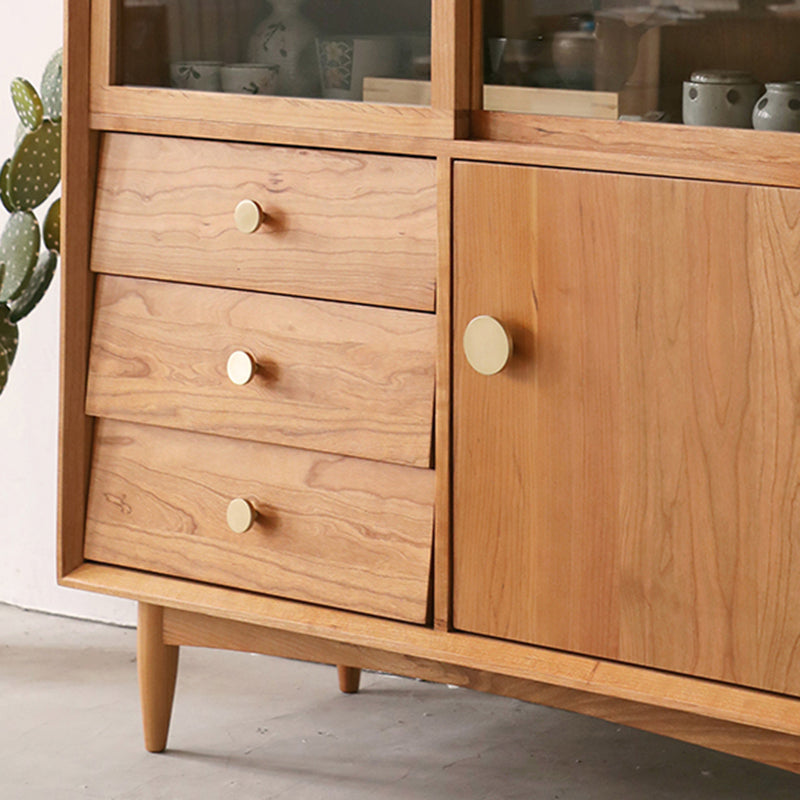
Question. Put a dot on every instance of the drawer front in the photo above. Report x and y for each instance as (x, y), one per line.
(341, 226)
(331, 530)
(335, 377)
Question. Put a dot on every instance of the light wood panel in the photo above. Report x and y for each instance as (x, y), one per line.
(79, 153)
(727, 154)
(777, 749)
(597, 677)
(342, 226)
(442, 562)
(334, 377)
(637, 458)
(339, 531)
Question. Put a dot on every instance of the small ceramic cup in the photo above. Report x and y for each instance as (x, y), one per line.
(203, 76)
(344, 62)
(779, 108)
(722, 98)
(250, 78)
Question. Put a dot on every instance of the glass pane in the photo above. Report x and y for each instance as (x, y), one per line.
(338, 49)
(730, 63)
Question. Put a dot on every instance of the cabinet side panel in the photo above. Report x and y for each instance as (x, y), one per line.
(79, 153)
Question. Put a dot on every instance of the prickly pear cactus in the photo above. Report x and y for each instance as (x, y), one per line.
(19, 251)
(4, 187)
(27, 179)
(9, 339)
(52, 227)
(27, 102)
(34, 290)
(35, 168)
(52, 82)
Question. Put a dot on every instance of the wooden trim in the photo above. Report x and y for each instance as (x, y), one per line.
(721, 154)
(268, 134)
(79, 154)
(476, 56)
(104, 16)
(777, 749)
(704, 698)
(442, 566)
(172, 108)
(450, 57)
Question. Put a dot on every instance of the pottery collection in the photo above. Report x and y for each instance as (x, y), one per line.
(721, 98)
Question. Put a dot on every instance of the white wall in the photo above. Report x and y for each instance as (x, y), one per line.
(30, 32)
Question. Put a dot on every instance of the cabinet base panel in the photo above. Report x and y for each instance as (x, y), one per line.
(768, 747)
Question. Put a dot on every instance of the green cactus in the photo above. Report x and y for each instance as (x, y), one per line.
(9, 339)
(27, 179)
(35, 168)
(4, 186)
(52, 227)
(19, 251)
(27, 102)
(51, 88)
(36, 287)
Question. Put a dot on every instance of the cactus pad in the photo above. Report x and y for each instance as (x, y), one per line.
(4, 187)
(19, 250)
(36, 286)
(9, 339)
(52, 227)
(27, 102)
(35, 169)
(52, 85)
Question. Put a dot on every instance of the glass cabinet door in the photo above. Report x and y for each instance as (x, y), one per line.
(724, 63)
(356, 50)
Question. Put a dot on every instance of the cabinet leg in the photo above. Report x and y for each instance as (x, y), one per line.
(349, 679)
(158, 668)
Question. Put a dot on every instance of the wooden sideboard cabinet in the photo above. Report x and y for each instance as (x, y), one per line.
(502, 397)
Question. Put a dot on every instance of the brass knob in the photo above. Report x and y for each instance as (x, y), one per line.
(241, 367)
(241, 515)
(248, 216)
(487, 345)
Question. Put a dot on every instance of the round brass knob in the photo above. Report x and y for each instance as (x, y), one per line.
(241, 515)
(248, 216)
(487, 345)
(241, 367)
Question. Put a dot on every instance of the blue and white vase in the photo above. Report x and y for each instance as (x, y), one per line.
(286, 39)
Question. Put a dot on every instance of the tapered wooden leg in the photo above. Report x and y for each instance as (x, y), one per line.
(349, 679)
(158, 668)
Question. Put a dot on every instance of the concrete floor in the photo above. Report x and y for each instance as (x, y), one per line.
(247, 726)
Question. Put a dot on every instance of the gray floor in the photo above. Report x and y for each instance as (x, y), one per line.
(252, 727)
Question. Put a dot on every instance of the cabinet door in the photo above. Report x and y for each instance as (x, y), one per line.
(628, 485)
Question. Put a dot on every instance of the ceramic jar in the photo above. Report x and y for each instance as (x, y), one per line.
(722, 98)
(286, 39)
(573, 58)
(779, 108)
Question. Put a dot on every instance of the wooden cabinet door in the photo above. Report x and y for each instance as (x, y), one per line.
(629, 485)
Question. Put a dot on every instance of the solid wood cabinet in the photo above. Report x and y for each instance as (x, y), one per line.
(605, 524)
(638, 457)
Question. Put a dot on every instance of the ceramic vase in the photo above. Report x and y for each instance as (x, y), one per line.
(779, 108)
(286, 39)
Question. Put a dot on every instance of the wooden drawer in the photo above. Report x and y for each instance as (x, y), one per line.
(341, 226)
(331, 376)
(331, 530)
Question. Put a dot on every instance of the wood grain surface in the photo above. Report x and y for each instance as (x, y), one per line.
(778, 749)
(332, 530)
(626, 487)
(340, 226)
(336, 377)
